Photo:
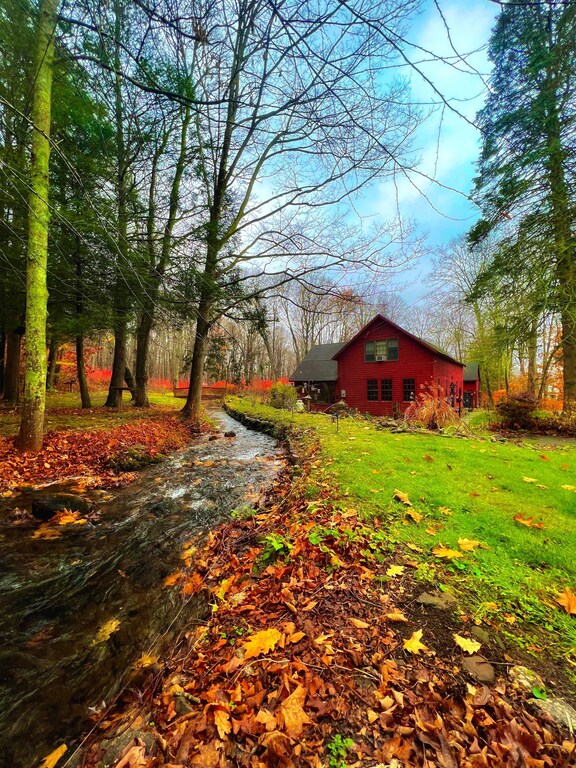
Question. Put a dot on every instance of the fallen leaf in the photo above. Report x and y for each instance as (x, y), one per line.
(402, 497)
(261, 642)
(372, 716)
(106, 630)
(172, 579)
(470, 646)
(567, 600)
(569, 487)
(529, 480)
(53, 757)
(427, 457)
(416, 516)
(528, 522)
(396, 616)
(135, 757)
(445, 511)
(145, 661)
(413, 644)
(359, 623)
(468, 545)
(296, 637)
(267, 719)
(222, 722)
(207, 756)
(292, 713)
(45, 531)
(441, 551)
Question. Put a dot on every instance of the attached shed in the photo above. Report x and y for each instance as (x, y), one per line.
(317, 374)
(472, 385)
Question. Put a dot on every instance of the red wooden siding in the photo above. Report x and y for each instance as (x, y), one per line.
(474, 388)
(445, 373)
(414, 362)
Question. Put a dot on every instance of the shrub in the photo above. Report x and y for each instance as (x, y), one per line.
(431, 409)
(282, 395)
(517, 412)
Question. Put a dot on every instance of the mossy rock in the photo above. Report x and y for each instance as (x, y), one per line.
(133, 459)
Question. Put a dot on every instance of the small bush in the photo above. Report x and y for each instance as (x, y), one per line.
(282, 395)
(517, 412)
(431, 409)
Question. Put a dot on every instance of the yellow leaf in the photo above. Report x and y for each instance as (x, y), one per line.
(395, 570)
(70, 518)
(224, 587)
(145, 661)
(261, 642)
(441, 551)
(292, 713)
(296, 637)
(468, 545)
(569, 487)
(470, 646)
(222, 721)
(360, 624)
(396, 616)
(413, 643)
(402, 497)
(445, 511)
(416, 516)
(372, 716)
(529, 480)
(267, 719)
(567, 600)
(53, 757)
(106, 630)
(44, 531)
(172, 579)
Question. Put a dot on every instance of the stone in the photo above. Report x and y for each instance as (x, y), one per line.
(480, 634)
(479, 668)
(230, 433)
(442, 600)
(525, 678)
(558, 710)
(213, 437)
(116, 745)
(45, 506)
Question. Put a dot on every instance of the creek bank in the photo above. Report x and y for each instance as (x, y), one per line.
(85, 609)
(312, 640)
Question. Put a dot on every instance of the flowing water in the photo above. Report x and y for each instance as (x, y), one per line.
(56, 594)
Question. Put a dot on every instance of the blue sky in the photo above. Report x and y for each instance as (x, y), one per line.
(449, 151)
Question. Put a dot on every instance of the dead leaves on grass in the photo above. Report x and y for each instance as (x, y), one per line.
(568, 601)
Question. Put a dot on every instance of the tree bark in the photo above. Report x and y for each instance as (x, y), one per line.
(142, 348)
(52, 360)
(2, 358)
(532, 359)
(81, 373)
(32, 424)
(192, 407)
(130, 383)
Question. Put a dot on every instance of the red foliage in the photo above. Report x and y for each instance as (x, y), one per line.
(87, 453)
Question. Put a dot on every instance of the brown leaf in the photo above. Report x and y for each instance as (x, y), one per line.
(568, 601)
(292, 713)
(207, 756)
(528, 522)
(222, 721)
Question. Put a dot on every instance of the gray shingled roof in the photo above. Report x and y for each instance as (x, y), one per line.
(472, 372)
(318, 365)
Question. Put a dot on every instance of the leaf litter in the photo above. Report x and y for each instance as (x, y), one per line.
(317, 643)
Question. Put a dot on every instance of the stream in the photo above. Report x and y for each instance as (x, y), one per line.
(56, 594)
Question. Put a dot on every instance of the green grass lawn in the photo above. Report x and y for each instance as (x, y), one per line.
(96, 417)
(466, 489)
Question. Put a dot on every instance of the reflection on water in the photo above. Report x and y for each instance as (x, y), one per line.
(56, 594)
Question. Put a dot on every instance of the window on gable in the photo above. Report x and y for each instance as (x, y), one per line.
(408, 389)
(386, 390)
(386, 349)
(372, 389)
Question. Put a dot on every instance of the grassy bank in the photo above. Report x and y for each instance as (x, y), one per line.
(495, 520)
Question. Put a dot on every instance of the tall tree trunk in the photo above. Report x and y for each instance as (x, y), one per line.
(193, 402)
(52, 361)
(32, 423)
(142, 348)
(532, 359)
(120, 288)
(130, 383)
(81, 373)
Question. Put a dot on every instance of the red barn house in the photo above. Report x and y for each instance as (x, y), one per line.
(382, 368)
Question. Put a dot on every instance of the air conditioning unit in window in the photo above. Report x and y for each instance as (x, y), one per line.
(380, 358)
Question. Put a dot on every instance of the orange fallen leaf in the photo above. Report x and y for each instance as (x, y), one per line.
(413, 644)
(172, 579)
(568, 601)
(468, 545)
(359, 623)
(416, 516)
(396, 616)
(292, 713)
(207, 756)
(261, 642)
(222, 722)
(51, 760)
(296, 637)
(528, 522)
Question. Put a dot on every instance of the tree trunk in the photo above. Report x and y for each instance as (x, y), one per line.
(193, 402)
(142, 348)
(2, 358)
(81, 373)
(118, 362)
(52, 360)
(532, 359)
(130, 383)
(32, 424)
